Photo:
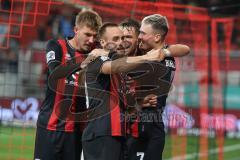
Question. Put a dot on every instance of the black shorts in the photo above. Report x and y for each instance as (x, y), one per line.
(103, 148)
(57, 145)
(150, 143)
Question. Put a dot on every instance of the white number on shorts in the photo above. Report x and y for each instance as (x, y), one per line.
(141, 154)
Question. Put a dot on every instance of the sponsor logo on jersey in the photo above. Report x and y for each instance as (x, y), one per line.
(170, 63)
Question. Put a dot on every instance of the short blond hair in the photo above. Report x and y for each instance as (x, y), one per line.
(158, 22)
(89, 18)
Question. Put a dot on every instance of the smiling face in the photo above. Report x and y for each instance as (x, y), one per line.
(113, 36)
(131, 37)
(146, 37)
(153, 31)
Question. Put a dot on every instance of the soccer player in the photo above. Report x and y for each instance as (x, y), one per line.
(131, 30)
(148, 131)
(103, 135)
(58, 135)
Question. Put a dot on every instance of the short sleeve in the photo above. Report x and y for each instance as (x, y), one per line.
(96, 65)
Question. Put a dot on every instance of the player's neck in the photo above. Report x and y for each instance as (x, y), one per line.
(159, 45)
(73, 43)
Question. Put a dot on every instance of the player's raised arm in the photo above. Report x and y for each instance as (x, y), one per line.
(176, 50)
(126, 64)
(58, 69)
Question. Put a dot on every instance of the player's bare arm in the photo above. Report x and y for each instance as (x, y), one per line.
(176, 50)
(126, 64)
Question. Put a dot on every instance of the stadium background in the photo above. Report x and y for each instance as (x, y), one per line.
(203, 114)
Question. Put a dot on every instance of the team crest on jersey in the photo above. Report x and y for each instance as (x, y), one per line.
(50, 56)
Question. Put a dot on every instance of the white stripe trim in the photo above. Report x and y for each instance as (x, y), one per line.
(86, 93)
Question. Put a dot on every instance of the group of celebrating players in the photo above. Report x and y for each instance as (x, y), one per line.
(106, 90)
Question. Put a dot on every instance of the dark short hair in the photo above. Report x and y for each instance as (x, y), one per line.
(129, 22)
(89, 18)
(104, 27)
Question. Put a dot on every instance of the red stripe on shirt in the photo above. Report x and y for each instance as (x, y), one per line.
(115, 110)
(52, 123)
(70, 120)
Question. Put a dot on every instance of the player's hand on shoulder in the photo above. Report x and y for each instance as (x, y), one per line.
(98, 52)
(93, 55)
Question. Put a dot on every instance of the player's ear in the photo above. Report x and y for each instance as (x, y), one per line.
(102, 42)
(75, 29)
(157, 37)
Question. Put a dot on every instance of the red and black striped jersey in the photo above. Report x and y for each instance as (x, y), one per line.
(104, 103)
(152, 78)
(63, 98)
